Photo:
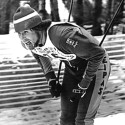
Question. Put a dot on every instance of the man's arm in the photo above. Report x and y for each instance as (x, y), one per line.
(46, 66)
(54, 85)
(88, 50)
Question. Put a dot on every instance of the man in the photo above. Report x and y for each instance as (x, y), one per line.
(87, 66)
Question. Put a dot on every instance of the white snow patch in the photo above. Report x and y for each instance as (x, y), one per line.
(117, 119)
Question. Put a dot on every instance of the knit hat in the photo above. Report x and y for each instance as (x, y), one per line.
(25, 18)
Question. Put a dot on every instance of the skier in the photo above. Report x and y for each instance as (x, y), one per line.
(87, 66)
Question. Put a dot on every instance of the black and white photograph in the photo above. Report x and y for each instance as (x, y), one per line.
(62, 62)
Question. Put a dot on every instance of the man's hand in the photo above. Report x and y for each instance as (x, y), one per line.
(77, 93)
(54, 88)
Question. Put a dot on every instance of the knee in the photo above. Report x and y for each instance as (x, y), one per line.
(67, 118)
(87, 119)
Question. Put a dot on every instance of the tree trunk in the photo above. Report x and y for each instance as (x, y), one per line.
(109, 8)
(35, 4)
(78, 13)
(42, 10)
(54, 10)
(14, 5)
(42, 4)
(96, 29)
(4, 16)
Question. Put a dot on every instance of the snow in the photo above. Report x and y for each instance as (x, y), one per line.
(111, 112)
(117, 119)
(13, 42)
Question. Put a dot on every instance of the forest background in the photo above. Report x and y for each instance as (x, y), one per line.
(94, 15)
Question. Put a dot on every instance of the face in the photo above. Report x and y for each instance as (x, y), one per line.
(29, 38)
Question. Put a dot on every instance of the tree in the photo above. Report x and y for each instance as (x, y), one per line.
(81, 11)
(109, 15)
(4, 16)
(54, 10)
(119, 16)
(112, 6)
(7, 9)
(96, 29)
(34, 4)
(14, 5)
(39, 5)
(42, 10)
(77, 12)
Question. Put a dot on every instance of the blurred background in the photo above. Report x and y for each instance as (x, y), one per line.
(24, 95)
(93, 14)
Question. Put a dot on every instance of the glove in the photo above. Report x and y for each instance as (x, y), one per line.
(54, 88)
(77, 93)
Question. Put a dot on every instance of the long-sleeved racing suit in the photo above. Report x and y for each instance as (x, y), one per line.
(90, 68)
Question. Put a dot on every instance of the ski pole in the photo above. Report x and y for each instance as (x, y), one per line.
(111, 22)
(60, 65)
(70, 11)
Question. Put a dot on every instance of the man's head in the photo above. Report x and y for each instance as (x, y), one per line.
(24, 19)
(26, 22)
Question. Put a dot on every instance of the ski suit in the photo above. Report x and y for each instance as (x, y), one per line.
(90, 67)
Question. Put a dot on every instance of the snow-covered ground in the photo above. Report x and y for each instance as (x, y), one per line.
(112, 109)
(116, 119)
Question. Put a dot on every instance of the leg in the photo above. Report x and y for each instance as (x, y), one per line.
(68, 109)
(89, 104)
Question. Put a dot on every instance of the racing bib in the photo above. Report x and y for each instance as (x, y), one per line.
(49, 50)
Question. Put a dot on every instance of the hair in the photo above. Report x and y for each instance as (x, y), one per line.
(43, 25)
